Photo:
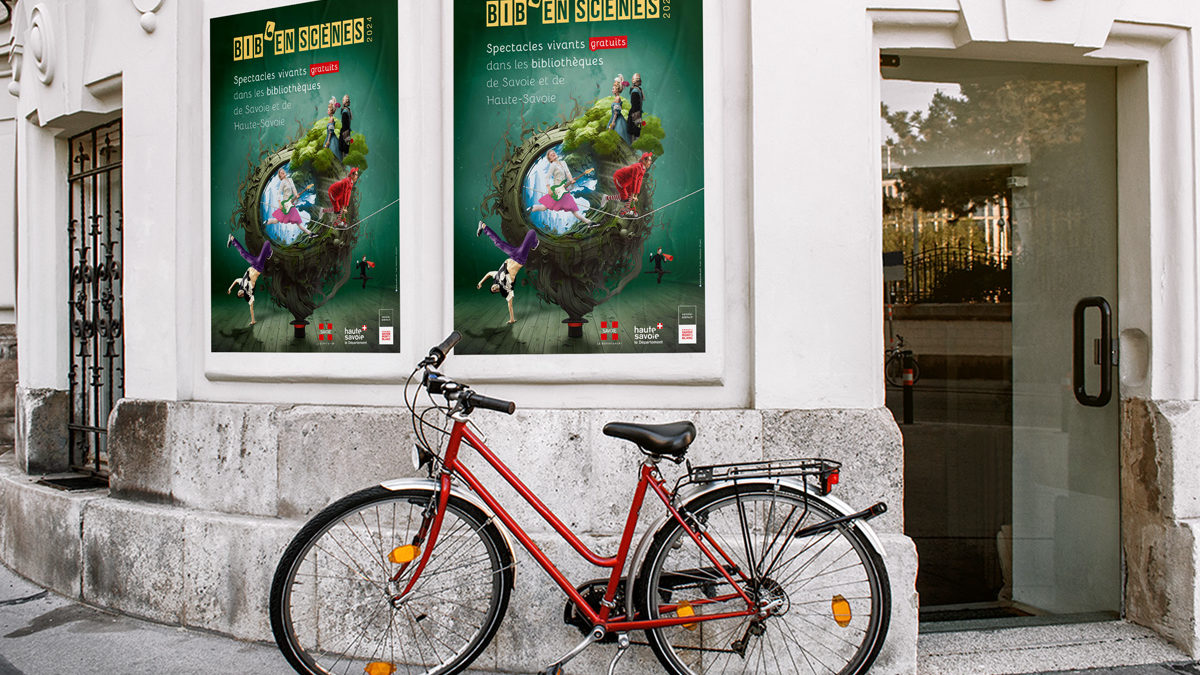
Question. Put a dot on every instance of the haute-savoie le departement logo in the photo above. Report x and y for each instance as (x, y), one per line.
(648, 335)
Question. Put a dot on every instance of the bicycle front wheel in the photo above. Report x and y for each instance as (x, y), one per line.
(336, 599)
(824, 593)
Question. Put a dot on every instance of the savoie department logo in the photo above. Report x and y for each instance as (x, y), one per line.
(608, 331)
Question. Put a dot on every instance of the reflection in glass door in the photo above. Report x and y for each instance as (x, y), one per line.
(999, 218)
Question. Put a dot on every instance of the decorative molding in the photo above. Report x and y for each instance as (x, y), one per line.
(105, 86)
(42, 44)
(13, 53)
(5, 62)
(15, 58)
(148, 9)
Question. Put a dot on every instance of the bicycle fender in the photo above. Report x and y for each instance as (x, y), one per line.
(686, 497)
(863, 526)
(397, 484)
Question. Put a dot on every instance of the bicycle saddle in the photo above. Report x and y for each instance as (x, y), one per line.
(657, 439)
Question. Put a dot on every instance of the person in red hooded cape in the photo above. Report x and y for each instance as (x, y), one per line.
(629, 182)
(339, 192)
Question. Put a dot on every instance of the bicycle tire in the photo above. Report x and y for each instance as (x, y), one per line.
(330, 606)
(807, 636)
(893, 370)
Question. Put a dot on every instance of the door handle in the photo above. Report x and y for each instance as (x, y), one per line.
(1105, 353)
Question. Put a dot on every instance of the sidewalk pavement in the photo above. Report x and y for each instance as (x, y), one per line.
(45, 634)
(1158, 669)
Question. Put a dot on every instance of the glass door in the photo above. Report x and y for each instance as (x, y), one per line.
(1000, 254)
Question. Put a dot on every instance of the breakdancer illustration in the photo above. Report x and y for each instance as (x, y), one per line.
(245, 283)
(504, 279)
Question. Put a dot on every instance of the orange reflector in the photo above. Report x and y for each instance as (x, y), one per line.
(841, 610)
(685, 610)
(379, 668)
(404, 554)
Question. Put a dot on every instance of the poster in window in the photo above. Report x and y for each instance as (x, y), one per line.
(304, 186)
(578, 178)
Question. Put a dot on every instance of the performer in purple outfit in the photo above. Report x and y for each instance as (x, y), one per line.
(505, 278)
(245, 283)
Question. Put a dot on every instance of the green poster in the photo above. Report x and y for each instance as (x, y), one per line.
(305, 238)
(578, 176)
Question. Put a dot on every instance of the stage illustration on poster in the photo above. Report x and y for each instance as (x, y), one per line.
(579, 144)
(304, 178)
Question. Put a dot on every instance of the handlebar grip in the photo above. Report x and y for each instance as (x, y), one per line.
(499, 405)
(439, 352)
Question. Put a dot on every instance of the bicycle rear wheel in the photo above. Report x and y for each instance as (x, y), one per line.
(828, 591)
(333, 601)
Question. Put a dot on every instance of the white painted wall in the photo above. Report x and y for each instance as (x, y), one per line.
(797, 180)
(8, 187)
(818, 275)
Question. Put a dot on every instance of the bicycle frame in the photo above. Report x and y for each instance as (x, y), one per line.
(649, 479)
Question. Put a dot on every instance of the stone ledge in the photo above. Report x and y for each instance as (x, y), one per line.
(40, 529)
(213, 571)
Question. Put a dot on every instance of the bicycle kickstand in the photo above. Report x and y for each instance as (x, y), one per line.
(622, 646)
(556, 668)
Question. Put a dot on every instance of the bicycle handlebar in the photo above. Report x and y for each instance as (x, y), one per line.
(436, 383)
(481, 401)
(438, 353)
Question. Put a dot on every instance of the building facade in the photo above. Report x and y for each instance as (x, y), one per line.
(218, 458)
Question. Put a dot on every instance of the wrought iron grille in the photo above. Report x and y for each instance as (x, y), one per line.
(97, 374)
(954, 275)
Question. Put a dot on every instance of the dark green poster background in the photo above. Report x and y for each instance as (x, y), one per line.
(270, 112)
(591, 285)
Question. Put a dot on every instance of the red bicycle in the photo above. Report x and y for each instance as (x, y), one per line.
(753, 568)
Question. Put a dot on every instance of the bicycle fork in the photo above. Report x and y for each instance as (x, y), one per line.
(431, 524)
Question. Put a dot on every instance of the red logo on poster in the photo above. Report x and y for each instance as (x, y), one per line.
(324, 332)
(608, 332)
(611, 42)
(323, 68)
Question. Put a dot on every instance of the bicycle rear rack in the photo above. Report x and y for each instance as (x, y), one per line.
(822, 473)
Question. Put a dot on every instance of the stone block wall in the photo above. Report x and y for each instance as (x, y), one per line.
(1160, 459)
(8, 385)
(222, 488)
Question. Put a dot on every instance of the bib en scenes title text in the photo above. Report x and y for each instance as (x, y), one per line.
(518, 12)
(302, 39)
